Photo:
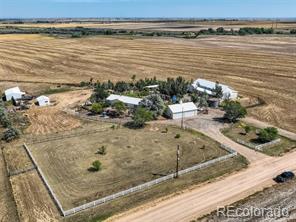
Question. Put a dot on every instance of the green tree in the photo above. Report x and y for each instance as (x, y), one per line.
(153, 103)
(218, 92)
(99, 94)
(268, 134)
(10, 134)
(247, 129)
(120, 107)
(234, 111)
(141, 116)
(133, 77)
(96, 165)
(97, 108)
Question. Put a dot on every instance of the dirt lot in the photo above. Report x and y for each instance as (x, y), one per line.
(130, 159)
(32, 199)
(237, 132)
(7, 207)
(254, 65)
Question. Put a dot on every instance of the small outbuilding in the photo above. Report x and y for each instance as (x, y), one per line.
(14, 93)
(127, 100)
(43, 101)
(182, 110)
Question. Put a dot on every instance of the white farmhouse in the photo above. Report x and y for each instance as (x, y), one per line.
(13, 93)
(182, 110)
(127, 100)
(43, 101)
(203, 85)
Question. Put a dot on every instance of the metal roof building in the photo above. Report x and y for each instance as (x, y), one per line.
(182, 110)
(43, 101)
(129, 101)
(14, 92)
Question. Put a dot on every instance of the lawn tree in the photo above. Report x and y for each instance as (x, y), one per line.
(234, 111)
(99, 94)
(174, 87)
(268, 134)
(121, 87)
(153, 103)
(203, 100)
(141, 116)
(96, 165)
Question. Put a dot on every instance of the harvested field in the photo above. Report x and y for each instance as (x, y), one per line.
(259, 66)
(8, 211)
(32, 198)
(130, 159)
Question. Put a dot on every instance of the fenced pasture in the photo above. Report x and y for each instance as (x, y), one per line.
(134, 157)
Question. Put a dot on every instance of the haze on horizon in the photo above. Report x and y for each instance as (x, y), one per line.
(147, 8)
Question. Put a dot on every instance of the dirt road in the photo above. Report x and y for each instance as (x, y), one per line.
(206, 198)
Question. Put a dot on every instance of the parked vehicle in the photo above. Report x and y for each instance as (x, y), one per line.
(283, 177)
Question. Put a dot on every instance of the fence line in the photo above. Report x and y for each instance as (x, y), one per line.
(257, 147)
(45, 181)
(143, 186)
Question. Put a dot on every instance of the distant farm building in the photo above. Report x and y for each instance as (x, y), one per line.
(43, 101)
(206, 86)
(14, 93)
(127, 100)
(182, 110)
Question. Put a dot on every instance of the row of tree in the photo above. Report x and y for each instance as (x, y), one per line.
(10, 132)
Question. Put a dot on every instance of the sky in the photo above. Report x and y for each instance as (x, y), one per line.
(148, 8)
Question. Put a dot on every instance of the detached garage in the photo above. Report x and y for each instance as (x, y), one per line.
(43, 101)
(177, 111)
(15, 93)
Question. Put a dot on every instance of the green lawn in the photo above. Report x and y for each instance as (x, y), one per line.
(237, 132)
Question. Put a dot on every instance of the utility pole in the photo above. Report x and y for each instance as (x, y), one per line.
(178, 159)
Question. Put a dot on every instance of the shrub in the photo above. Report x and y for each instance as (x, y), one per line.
(247, 129)
(10, 134)
(120, 107)
(141, 116)
(96, 166)
(97, 108)
(234, 111)
(102, 150)
(268, 134)
(177, 136)
(153, 103)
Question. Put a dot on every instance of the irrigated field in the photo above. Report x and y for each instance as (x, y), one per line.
(133, 157)
(256, 66)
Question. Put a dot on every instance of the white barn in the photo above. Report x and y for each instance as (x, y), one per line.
(182, 110)
(207, 86)
(15, 93)
(43, 101)
(127, 100)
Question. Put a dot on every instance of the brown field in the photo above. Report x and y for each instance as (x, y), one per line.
(130, 159)
(164, 26)
(7, 207)
(32, 199)
(254, 65)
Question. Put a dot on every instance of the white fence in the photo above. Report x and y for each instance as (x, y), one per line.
(258, 147)
(143, 186)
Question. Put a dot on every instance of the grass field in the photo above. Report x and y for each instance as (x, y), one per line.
(235, 132)
(257, 66)
(133, 157)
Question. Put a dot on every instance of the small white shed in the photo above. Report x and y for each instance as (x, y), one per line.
(43, 101)
(177, 111)
(14, 92)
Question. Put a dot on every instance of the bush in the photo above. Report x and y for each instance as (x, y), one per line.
(96, 166)
(102, 150)
(141, 116)
(234, 111)
(268, 134)
(247, 129)
(153, 103)
(120, 107)
(10, 134)
(177, 136)
(97, 108)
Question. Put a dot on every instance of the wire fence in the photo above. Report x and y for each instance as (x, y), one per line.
(260, 146)
(131, 190)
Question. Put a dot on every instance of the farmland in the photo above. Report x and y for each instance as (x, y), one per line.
(254, 65)
(130, 160)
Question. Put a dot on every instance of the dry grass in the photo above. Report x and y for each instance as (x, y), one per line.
(254, 65)
(130, 160)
